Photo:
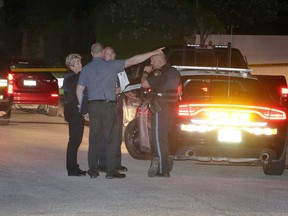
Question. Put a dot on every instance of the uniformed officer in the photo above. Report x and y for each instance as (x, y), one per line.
(166, 86)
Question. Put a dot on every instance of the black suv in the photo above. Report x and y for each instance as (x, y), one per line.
(226, 114)
(194, 55)
(6, 92)
(186, 55)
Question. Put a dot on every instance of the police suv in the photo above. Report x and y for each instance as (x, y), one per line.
(225, 114)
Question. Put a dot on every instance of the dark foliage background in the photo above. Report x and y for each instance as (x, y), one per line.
(52, 29)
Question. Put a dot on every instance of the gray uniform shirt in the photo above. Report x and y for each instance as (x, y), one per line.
(100, 76)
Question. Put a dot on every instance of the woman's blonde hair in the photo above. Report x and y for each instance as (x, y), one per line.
(71, 59)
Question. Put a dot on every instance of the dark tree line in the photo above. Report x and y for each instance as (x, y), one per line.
(52, 29)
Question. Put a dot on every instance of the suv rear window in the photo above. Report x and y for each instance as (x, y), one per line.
(215, 57)
(221, 88)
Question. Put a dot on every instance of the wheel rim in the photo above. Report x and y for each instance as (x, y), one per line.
(134, 140)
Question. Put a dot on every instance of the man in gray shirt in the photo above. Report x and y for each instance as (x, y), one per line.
(100, 76)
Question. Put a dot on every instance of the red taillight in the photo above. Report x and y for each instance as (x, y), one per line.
(264, 112)
(10, 87)
(188, 110)
(274, 114)
(284, 92)
(54, 95)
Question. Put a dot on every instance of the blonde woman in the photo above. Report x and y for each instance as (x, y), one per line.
(72, 114)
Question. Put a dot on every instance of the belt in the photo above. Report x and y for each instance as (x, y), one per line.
(107, 101)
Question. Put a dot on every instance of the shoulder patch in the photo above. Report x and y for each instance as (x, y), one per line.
(157, 72)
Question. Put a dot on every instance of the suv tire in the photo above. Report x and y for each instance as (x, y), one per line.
(271, 167)
(4, 120)
(132, 142)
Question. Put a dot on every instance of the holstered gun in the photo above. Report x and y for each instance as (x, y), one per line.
(154, 106)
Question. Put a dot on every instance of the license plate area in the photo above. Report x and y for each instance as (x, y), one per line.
(3, 83)
(29, 83)
(228, 135)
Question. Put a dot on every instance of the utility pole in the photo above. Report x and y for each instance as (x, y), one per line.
(231, 32)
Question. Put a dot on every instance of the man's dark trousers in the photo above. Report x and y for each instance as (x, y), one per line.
(102, 156)
(103, 122)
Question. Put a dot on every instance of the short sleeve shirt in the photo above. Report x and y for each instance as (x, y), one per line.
(158, 81)
(100, 76)
(166, 81)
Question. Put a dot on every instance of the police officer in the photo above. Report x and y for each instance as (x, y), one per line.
(166, 85)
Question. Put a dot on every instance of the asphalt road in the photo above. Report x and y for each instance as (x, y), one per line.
(33, 181)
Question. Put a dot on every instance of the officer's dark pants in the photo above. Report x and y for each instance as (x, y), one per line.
(102, 156)
(103, 122)
(76, 128)
(161, 126)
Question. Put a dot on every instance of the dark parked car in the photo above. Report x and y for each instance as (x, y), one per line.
(225, 115)
(34, 86)
(6, 92)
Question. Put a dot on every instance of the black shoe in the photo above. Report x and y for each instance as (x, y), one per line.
(75, 173)
(153, 167)
(115, 175)
(81, 171)
(166, 175)
(122, 168)
(170, 162)
(93, 174)
(101, 169)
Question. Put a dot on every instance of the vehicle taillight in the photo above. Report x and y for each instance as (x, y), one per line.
(274, 114)
(54, 95)
(188, 109)
(10, 87)
(222, 112)
(284, 92)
